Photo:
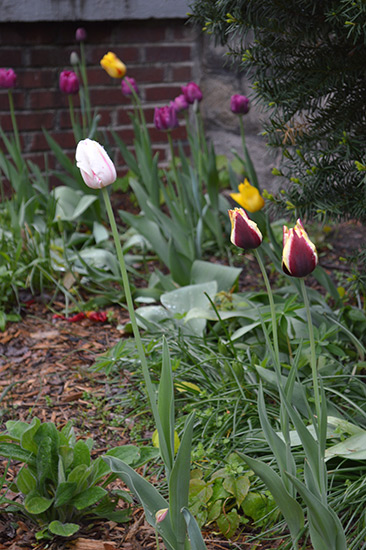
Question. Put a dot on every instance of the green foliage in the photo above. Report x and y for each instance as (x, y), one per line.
(306, 62)
(62, 486)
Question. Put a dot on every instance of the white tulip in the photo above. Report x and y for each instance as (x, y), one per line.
(96, 167)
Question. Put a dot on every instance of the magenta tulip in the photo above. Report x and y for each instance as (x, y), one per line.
(80, 34)
(180, 103)
(69, 82)
(239, 104)
(165, 118)
(244, 231)
(8, 78)
(192, 92)
(126, 85)
(299, 257)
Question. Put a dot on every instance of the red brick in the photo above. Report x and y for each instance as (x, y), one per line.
(173, 54)
(157, 136)
(38, 78)
(133, 33)
(162, 93)
(183, 32)
(46, 99)
(106, 96)
(182, 73)
(39, 160)
(50, 56)
(18, 99)
(29, 121)
(127, 54)
(66, 140)
(10, 58)
(146, 73)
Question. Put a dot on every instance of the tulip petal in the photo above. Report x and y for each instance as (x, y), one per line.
(96, 167)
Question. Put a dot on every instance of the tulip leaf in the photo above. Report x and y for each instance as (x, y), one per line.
(194, 532)
(225, 276)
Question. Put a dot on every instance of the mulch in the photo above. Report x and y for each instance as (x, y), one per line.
(45, 371)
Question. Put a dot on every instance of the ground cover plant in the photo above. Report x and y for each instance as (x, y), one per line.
(254, 400)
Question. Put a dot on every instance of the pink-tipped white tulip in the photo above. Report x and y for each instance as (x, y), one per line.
(96, 167)
(299, 256)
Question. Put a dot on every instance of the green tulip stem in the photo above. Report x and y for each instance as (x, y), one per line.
(130, 307)
(84, 77)
(272, 308)
(313, 361)
(249, 167)
(13, 120)
(174, 166)
(72, 118)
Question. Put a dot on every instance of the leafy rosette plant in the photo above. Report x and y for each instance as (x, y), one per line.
(60, 485)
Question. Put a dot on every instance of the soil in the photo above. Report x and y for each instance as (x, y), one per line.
(45, 371)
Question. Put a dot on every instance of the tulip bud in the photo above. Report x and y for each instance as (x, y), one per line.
(299, 256)
(239, 104)
(161, 515)
(69, 82)
(192, 92)
(113, 65)
(126, 85)
(80, 34)
(179, 103)
(74, 58)
(165, 118)
(8, 78)
(96, 167)
(244, 231)
(248, 197)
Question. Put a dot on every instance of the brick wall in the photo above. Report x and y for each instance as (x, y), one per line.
(159, 54)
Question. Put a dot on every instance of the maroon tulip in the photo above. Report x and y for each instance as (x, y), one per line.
(244, 232)
(165, 118)
(80, 34)
(69, 82)
(126, 85)
(192, 92)
(179, 103)
(8, 78)
(299, 257)
(239, 104)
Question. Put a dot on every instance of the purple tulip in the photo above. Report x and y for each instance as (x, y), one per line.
(80, 34)
(299, 256)
(165, 118)
(192, 92)
(8, 78)
(244, 231)
(69, 82)
(180, 103)
(126, 85)
(239, 104)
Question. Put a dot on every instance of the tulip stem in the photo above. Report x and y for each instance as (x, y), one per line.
(248, 164)
(272, 308)
(84, 76)
(72, 119)
(177, 181)
(13, 120)
(130, 307)
(313, 361)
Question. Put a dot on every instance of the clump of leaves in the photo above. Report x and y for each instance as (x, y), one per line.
(60, 485)
(228, 499)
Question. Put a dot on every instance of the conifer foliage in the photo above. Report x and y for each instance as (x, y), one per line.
(307, 63)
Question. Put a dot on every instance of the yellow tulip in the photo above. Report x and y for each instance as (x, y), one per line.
(113, 65)
(248, 197)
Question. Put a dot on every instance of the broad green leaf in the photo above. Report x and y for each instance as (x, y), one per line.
(324, 523)
(16, 428)
(225, 276)
(194, 533)
(64, 493)
(63, 529)
(238, 487)
(88, 497)
(26, 440)
(149, 497)
(100, 232)
(81, 454)
(44, 460)
(26, 482)
(12, 450)
(289, 507)
(37, 504)
(178, 482)
(228, 523)
(353, 448)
